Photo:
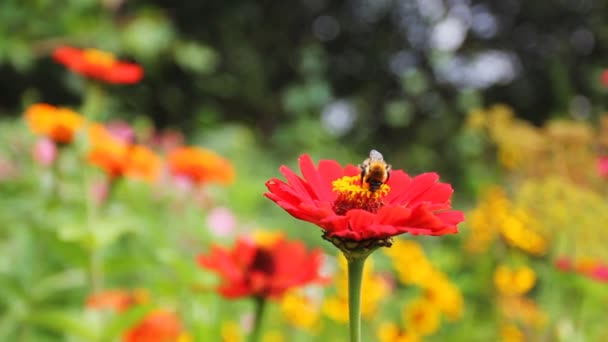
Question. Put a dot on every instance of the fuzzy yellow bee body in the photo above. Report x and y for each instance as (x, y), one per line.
(374, 171)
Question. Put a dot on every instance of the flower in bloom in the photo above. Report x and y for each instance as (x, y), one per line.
(585, 266)
(421, 317)
(602, 166)
(300, 310)
(514, 281)
(496, 215)
(58, 124)
(511, 333)
(604, 78)
(391, 332)
(523, 310)
(221, 221)
(117, 300)
(200, 165)
(231, 332)
(265, 269)
(444, 295)
(99, 65)
(45, 152)
(273, 336)
(118, 158)
(375, 287)
(352, 215)
(157, 326)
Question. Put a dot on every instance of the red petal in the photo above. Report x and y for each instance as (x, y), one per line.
(125, 73)
(314, 179)
(418, 186)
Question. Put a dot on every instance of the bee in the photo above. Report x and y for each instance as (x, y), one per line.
(374, 171)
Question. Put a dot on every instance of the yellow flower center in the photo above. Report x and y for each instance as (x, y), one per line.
(98, 57)
(351, 195)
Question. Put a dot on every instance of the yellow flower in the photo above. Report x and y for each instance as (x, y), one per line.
(273, 336)
(476, 120)
(390, 332)
(523, 310)
(421, 317)
(300, 310)
(511, 333)
(519, 230)
(409, 261)
(231, 332)
(445, 296)
(514, 281)
(374, 289)
(267, 238)
(485, 220)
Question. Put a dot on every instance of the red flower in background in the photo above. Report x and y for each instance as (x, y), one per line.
(333, 198)
(157, 326)
(121, 159)
(200, 165)
(99, 65)
(604, 78)
(265, 270)
(117, 300)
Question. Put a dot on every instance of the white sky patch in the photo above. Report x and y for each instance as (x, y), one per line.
(338, 117)
(482, 70)
(449, 34)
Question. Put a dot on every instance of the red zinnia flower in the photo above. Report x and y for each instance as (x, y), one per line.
(98, 64)
(334, 198)
(158, 326)
(604, 78)
(117, 300)
(265, 270)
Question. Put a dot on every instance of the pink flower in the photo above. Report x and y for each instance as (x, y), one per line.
(45, 152)
(602, 166)
(121, 131)
(221, 221)
(600, 273)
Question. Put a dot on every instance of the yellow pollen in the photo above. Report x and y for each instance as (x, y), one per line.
(99, 57)
(352, 195)
(351, 187)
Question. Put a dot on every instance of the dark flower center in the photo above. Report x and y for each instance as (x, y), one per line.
(263, 262)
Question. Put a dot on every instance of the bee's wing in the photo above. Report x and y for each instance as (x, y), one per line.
(375, 155)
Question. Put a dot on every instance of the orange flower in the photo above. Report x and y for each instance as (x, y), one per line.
(59, 124)
(98, 64)
(118, 158)
(200, 165)
(158, 326)
(117, 300)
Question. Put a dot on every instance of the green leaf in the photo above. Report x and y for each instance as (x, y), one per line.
(64, 322)
(61, 281)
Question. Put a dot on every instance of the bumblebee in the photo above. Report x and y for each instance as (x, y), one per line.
(374, 171)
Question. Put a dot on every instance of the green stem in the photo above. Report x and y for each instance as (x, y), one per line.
(94, 99)
(260, 305)
(355, 279)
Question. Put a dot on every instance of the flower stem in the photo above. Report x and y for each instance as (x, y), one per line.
(260, 305)
(94, 99)
(355, 278)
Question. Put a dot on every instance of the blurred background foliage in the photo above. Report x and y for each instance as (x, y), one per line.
(312, 74)
(262, 82)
